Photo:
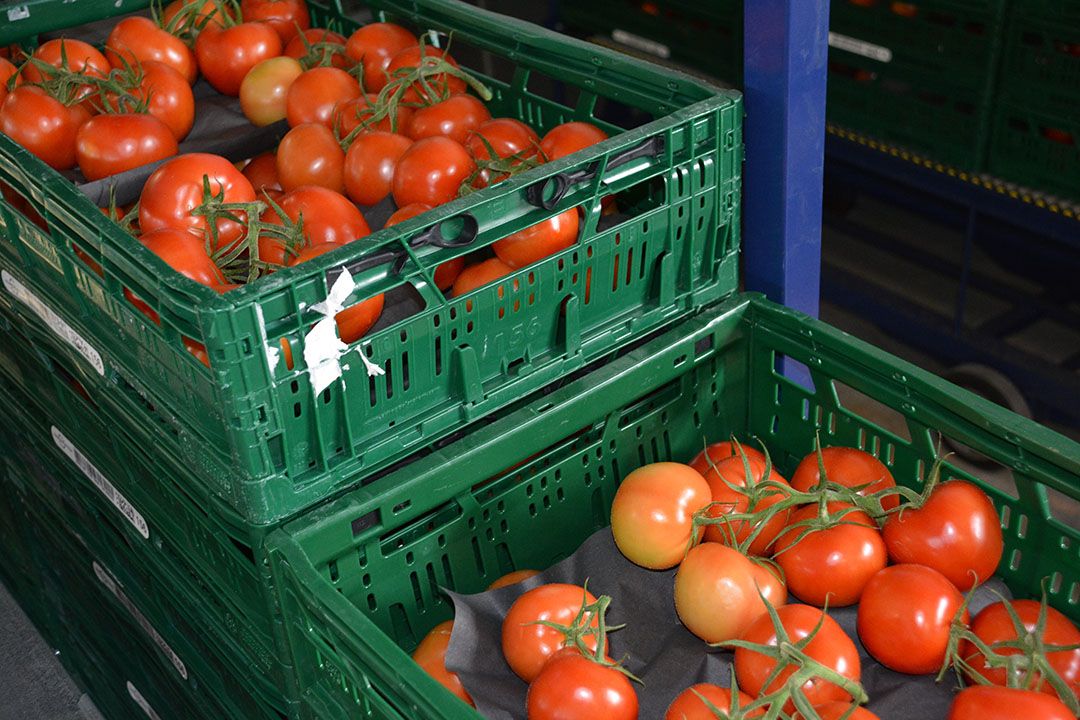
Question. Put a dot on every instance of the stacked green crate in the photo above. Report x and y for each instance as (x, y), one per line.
(917, 74)
(1035, 139)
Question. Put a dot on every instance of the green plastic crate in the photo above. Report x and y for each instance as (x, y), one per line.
(251, 430)
(1041, 62)
(707, 36)
(1036, 148)
(360, 580)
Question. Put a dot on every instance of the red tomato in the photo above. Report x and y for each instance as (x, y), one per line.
(184, 252)
(370, 164)
(265, 89)
(506, 136)
(328, 216)
(653, 512)
(956, 532)
(261, 172)
(715, 596)
(834, 563)
(839, 711)
(830, 647)
(905, 9)
(480, 274)
(374, 45)
(169, 97)
(317, 46)
(431, 172)
(439, 86)
(197, 349)
(226, 55)
(768, 582)
(351, 114)
(512, 578)
(721, 450)
(353, 322)
(287, 17)
(430, 655)
(110, 144)
(447, 273)
(729, 472)
(687, 705)
(406, 213)
(42, 124)
(455, 117)
(314, 95)
(538, 241)
(74, 55)
(176, 188)
(573, 687)
(562, 140)
(905, 618)
(526, 644)
(7, 70)
(137, 39)
(849, 467)
(990, 702)
(993, 625)
(309, 154)
(210, 12)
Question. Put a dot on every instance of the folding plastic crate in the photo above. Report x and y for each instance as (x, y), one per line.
(361, 581)
(258, 433)
(1041, 61)
(1036, 147)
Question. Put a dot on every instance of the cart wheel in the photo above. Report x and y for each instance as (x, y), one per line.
(993, 385)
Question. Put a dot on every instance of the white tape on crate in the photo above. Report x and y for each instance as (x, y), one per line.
(860, 47)
(66, 333)
(322, 346)
(102, 483)
(106, 579)
(141, 701)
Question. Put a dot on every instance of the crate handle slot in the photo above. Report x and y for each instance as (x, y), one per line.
(433, 236)
(547, 193)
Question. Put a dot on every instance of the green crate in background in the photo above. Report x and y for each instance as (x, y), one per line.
(1036, 148)
(707, 36)
(360, 581)
(251, 430)
(1041, 60)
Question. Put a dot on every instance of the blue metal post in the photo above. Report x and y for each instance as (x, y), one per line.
(785, 67)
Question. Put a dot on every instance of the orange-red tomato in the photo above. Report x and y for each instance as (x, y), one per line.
(992, 702)
(849, 467)
(538, 241)
(169, 97)
(715, 595)
(480, 274)
(322, 46)
(653, 511)
(309, 154)
(7, 70)
(136, 40)
(287, 17)
(437, 85)
(370, 164)
(456, 117)
(839, 710)
(42, 124)
(526, 644)
(184, 252)
(226, 55)
(447, 273)
(351, 114)
(109, 144)
(431, 171)
(721, 450)
(562, 140)
(262, 172)
(313, 95)
(374, 45)
(512, 578)
(687, 705)
(573, 687)
(430, 655)
(727, 480)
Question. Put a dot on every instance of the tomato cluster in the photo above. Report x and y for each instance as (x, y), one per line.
(374, 116)
(841, 532)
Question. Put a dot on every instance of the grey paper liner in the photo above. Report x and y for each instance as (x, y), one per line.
(658, 649)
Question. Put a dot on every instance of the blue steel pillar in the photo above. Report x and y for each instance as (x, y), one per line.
(784, 85)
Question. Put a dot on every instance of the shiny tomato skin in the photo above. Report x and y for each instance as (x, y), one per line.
(313, 95)
(441, 85)
(768, 582)
(957, 532)
(512, 578)
(170, 97)
(479, 275)
(849, 467)
(456, 117)
(185, 253)
(688, 706)
(287, 17)
(526, 645)
(653, 511)
(538, 241)
(264, 91)
(309, 154)
(993, 625)
(110, 144)
(431, 172)
(406, 213)
(562, 140)
(719, 451)
(430, 655)
(176, 188)
(991, 702)
(137, 39)
(839, 711)
(573, 687)
(319, 36)
(370, 164)
(375, 44)
(506, 136)
(328, 216)
(831, 647)
(7, 69)
(350, 114)
(226, 55)
(261, 172)
(355, 321)
(209, 13)
(836, 563)
(905, 617)
(43, 125)
(81, 57)
(715, 596)
(731, 472)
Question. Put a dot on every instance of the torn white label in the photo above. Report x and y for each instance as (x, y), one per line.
(339, 293)
(102, 483)
(860, 47)
(66, 333)
(372, 368)
(322, 353)
(141, 702)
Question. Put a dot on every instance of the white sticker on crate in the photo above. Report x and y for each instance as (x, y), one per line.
(19, 12)
(106, 579)
(322, 346)
(637, 42)
(141, 701)
(102, 483)
(860, 47)
(66, 333)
